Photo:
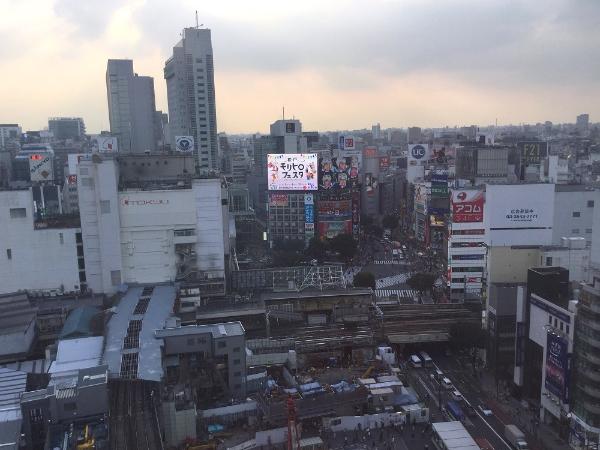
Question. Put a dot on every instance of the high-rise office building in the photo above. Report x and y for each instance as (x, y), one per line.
(191, 95)
(66, 127)
(131, 107)
(583, 122)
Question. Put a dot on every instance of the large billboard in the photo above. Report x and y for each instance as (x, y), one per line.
(339, 173)
(104, 144)
(532, 152)
(557, 360)
(329, 230)
(334, 210)
(418, 154)
(184, 144)
(40, 167)
(467, 206)
(292, 171)
(520, 206)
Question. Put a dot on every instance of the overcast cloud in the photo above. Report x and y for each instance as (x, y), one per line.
(334, 63)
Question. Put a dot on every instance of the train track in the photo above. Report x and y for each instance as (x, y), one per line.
(133, 424)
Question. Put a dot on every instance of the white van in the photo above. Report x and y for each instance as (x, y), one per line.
(415, 361)
(446, 383)
(456, 396)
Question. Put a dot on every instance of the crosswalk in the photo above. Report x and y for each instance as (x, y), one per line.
(388, 262)
(392, 293)
(391, 281)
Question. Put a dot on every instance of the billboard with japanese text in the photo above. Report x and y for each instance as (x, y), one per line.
(292, 172)
(467, 205)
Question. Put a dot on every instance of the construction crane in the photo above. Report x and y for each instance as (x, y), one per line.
(293, 434)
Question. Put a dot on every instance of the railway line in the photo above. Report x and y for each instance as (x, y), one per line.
(132, 419)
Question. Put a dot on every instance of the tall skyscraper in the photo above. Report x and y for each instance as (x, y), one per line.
(583, 121)
(131, 107)
(191, 95)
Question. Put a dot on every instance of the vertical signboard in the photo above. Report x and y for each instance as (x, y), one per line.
(439, 183)
(309, 217)
(356, 215)
(557, 366)
(346, 142)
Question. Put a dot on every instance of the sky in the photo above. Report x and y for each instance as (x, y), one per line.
(333, 64)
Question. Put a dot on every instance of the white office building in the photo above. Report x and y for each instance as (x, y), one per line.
(191, 96)
(131, 107)
(151, 232)
(37, 254)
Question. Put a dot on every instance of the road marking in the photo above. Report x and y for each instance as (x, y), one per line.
(489, 426)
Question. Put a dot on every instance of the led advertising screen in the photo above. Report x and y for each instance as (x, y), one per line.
(556, 366)
(334, 209)
(292, 171)
(467, 206)
(532, 152)
(339, 173)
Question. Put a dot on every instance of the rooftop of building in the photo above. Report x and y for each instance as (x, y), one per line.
(16, 313)
(81, 322)
(76, 354)
(573, 188)
(217, 330)
(13, 384)
(132, 351)
(314, 293)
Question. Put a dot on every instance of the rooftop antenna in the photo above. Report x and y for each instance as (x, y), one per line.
(197, 20)
(283, 112)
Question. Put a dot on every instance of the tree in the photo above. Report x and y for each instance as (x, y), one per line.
(316, 249)
(390, 221)
(364, 279)
(421, 281)
(344, 244)
(467, 335)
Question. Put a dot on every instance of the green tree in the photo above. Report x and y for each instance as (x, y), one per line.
(421, 281)
(364, 279)
(390, 221)
(467, 335)
(316, 249)
(344, 244)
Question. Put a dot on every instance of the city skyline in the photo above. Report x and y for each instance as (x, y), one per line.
(512, 63)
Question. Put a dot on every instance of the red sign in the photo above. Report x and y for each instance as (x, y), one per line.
(370, 152)
(467, 206)
(384, 163)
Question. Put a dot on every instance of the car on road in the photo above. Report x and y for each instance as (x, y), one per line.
(447, 384)
(485, 409)
(456, 396)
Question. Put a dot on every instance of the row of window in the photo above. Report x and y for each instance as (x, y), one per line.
(557, 323)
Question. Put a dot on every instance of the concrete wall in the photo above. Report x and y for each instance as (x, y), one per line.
(97, 185)
(178, 425)
(510, 264)
(39, 259)
(565, 204)
(210, 245)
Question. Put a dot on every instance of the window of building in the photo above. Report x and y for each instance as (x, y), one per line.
(18, 213)
(567, 329)
(222, 344)
(201, 341)
(590, 203)
(576, 214)
(561, 326)
(237, 374)
(236, 362)
(588, 231)
(115, 277)
(548, 260)
(61, 238)
(555, 322)
(9, 253)
(575, 231)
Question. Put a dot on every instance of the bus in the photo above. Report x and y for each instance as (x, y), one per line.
(415, 361)
(455, 410)
(427, 361)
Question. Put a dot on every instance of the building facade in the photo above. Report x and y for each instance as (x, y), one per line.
(189, 73)
(131, 107)
(66, 127)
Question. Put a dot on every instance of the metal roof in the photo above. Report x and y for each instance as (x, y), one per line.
(78, 324)
(455, 436)
(148, 364)
(217, 330)
(75, 354)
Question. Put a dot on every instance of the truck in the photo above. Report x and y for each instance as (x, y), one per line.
(515, 437)
(455, 410)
